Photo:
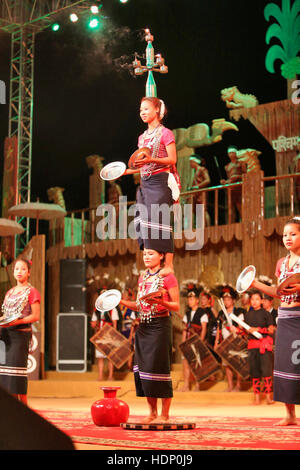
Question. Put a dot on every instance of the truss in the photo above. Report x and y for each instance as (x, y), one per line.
(23, 19)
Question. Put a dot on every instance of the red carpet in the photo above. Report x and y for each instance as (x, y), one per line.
(211, 433)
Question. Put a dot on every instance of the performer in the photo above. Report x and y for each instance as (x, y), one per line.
(24, 299)
(158, 184)
(201, 179)
(235, 170)
(229, 296)
(99, 319)
(212, 315)
(286, 364)
(260, 350)
(153, 338)
(195, 320)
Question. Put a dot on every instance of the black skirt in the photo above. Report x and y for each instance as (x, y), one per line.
(14, 348)
(287, 356)
(153, 358)
(153, 217)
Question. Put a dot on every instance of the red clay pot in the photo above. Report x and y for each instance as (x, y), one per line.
(109, 411)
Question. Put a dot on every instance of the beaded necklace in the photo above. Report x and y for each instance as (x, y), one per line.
(284, 273)
(147, 312)
(153, 144)
(14, 304)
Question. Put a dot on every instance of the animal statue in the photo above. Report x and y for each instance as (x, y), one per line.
(235, 99)
(199, 135)
(95, 162)
(250, 157)
(55, 194)
(212, 275)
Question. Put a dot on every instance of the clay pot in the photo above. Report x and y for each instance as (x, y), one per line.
(109, 411)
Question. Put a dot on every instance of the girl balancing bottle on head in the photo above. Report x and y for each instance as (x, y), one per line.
(153, 338)
(22, 300)
(286, 366)
(159, 186)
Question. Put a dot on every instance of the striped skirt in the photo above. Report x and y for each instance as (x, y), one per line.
(287, 356)
(153, 217)
(14, 348)
(153, 358)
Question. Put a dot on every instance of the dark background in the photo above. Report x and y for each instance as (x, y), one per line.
(86, 100)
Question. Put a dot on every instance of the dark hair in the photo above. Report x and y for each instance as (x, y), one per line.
(157, 103)
(293, 220)
(255, 291)
(26, 261)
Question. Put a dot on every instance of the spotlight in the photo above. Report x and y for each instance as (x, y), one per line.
(55, 27)
(123, 1)
(74, 18)
(94, 23)
(94, 9)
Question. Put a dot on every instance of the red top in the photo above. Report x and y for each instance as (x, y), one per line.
(167, 137)
(169, 281)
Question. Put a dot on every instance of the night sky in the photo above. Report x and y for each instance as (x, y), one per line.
(86, 102)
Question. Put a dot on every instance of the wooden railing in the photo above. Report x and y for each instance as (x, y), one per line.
(217, 202)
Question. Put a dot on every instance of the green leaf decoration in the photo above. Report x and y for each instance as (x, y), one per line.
(287, 32)
(290, 69)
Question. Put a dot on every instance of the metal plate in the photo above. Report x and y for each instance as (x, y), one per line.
(158, 294)
(108, 300)
(112, 171)
(8, 319)
(245, 279)
(293, 279)
(139, 158)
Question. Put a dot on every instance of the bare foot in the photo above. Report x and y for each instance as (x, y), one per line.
(256, 400)
(185, 388)
(149, 419)
(161, 420)
(287, 422)
(270, 401)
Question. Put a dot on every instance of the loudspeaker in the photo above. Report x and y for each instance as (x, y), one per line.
(71, 342)
(73, 285)
(23, 429)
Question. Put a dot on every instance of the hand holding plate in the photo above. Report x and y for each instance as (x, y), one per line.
(139, 158)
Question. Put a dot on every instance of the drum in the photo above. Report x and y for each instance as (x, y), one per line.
(113, 344)
(202, 362)
(233, 350)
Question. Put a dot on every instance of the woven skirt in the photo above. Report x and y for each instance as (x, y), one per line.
(153, 358)
(153, 218)
(287, 356)
(14, 348)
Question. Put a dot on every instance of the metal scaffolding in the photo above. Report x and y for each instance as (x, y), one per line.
(23, 19)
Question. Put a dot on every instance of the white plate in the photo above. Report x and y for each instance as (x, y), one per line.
(112, 171)
(108, 300)
(245, 279)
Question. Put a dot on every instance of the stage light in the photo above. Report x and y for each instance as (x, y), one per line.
(94, 23)
(55, 27)
(123, 1)
(74, 18)
(94, 9)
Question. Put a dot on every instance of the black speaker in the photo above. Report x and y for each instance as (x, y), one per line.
(23, 429)
(71, 342)
(73, 285)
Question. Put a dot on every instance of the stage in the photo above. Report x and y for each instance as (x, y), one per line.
(224, 420)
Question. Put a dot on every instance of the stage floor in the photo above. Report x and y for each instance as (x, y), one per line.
(183, 404)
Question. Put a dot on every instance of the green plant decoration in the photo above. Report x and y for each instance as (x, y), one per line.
(287, 32)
